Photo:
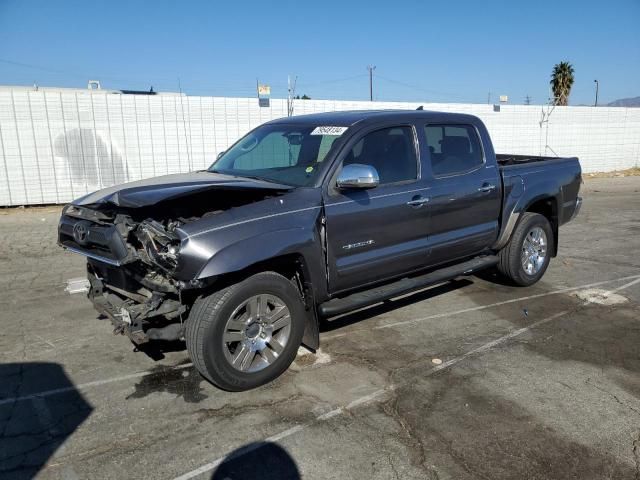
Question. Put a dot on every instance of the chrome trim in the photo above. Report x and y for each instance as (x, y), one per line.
(109, 261)
(505, 235)
(418, 202)
(358, 175)
(577, 209)
(374, 197)
(358, 245)
(487, 188)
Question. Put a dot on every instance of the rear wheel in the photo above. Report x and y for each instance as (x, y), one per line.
(526, 257)
(246, 334)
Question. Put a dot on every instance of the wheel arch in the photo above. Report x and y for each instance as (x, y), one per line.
(295, 264)
(547, 206)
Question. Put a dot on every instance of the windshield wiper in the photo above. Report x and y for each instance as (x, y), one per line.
(251, 177)
(262, 179)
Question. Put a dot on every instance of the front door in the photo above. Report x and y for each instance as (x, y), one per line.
(381, 232)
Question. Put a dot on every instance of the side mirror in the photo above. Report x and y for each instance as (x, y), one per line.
(220, 154)
(357, 175)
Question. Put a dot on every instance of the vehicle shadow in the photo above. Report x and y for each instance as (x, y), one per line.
(156, 349)
(33, 427)
(260, 461)
(390, 305)
(492, 275)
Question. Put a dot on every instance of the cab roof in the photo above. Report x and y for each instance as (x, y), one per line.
(351, 117)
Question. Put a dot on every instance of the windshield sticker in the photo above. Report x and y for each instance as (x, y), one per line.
(329, 130)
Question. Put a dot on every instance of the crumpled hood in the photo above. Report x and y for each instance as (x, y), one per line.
(144, 193)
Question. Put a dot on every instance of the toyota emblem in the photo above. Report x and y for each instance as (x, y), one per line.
(81, 232)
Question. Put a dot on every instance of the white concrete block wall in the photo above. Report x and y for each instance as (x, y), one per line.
(58, 145)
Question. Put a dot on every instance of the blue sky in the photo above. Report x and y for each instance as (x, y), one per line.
(424, 50)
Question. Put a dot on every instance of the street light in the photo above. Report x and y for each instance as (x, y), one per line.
(597, 87)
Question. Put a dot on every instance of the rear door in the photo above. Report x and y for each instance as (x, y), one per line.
(466, 193)
(381, 232)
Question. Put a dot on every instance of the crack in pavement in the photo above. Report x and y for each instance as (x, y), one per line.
(636, 455)
(614, 396)
(392, 410)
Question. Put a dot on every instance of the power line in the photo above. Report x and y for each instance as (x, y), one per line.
(230, 87)
(337, 80)
(421, 89)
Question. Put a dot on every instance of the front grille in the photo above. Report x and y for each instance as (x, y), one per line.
(95, 240)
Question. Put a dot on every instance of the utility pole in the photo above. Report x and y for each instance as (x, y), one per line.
(371, 68)
(527, 100)
(597, 88)
(489, 98)
(290, 94)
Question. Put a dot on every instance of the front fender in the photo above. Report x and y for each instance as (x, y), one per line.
(264, 246)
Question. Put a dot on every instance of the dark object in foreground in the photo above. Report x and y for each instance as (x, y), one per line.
(313, 216)
(35, 423)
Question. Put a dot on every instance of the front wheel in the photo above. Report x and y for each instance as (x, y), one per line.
(247, 334)
(526, 257)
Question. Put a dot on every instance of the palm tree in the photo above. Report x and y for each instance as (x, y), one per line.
(561, 82)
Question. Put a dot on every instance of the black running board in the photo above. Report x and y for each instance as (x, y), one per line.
(375, 295)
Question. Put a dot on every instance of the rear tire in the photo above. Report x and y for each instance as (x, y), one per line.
(524, 260)
(247, 334)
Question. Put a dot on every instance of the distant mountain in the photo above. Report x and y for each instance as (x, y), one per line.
(625, 102)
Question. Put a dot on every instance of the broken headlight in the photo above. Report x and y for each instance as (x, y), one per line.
(161, 247)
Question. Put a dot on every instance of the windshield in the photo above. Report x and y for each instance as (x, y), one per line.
(287, 154)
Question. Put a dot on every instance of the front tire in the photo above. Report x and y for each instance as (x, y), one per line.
(526, 257)
(247, 334)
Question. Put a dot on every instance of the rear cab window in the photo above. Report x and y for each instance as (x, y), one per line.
(453, 149)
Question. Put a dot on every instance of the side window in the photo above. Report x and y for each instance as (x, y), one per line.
(453, 148)
(391, 151)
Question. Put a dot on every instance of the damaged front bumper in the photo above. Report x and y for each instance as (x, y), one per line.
(131, 270)
(135, 310)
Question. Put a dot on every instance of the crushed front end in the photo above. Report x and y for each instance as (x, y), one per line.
(142, 265)
(131, 260)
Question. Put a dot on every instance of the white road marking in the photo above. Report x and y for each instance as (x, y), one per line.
(513, 300)
(368, 398)
(45, 341)
(84, 386)
(605, 297)
(626, 285)
(379, 393)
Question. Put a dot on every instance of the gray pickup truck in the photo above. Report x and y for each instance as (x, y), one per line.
(310, 217)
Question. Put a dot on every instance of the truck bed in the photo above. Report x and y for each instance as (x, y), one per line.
(505, 159)
(557, 177)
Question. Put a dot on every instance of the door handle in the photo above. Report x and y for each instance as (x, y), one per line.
(487, 188)
(418, 201)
